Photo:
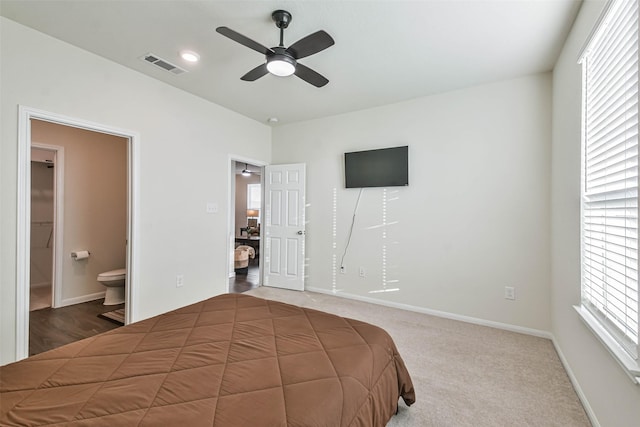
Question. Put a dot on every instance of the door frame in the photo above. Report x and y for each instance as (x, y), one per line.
(231, 210)
(58, 215)
(23, 242)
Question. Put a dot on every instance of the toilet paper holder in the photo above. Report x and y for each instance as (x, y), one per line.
(78, 255)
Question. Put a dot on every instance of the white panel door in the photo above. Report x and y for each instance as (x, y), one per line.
(284, 226)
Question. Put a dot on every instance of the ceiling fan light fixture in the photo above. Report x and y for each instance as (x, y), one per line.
(281, 65)
(246, 171)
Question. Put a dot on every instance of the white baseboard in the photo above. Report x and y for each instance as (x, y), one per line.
(81, 299)
(444, 314)
(576, 386)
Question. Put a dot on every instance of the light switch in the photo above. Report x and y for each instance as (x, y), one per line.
(212, 208)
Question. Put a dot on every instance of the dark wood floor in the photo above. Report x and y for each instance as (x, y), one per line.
(51, 328)
(244, 282)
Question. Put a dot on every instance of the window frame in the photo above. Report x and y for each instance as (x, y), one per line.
(253, 204)
(625, 350)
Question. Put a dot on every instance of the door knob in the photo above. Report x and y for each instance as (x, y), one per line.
(301, 232)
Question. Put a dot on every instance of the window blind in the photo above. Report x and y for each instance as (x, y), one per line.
(610, 174)
(253, 196)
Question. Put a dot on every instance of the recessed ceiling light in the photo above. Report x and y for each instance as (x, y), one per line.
(189, 56)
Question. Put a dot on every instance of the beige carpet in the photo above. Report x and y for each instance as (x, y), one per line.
(464, 374)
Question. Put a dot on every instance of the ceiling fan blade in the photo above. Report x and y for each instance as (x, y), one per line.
(244, 40)
(311, 44)
(310, 76)
(256, 73)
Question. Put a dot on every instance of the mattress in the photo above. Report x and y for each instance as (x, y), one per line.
(232, 360)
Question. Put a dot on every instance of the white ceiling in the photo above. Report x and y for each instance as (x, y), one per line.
(384, 52)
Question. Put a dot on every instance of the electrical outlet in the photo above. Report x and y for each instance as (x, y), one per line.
(179, 280)
(509, 292)
(361, 272)
(343, 269)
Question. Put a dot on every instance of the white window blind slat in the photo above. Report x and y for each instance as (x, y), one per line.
(615, 83)
(600, 125)
(610, 175)
(621, 157)
(619, 48)
(616, 80)
(623, 23)
(619, 128)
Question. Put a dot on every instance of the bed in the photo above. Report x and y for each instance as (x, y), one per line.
(231, 360)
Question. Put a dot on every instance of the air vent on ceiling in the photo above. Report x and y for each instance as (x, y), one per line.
(161, 63)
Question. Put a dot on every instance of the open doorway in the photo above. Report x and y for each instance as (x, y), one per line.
(281, 223)
(72, 255)
(91, 228)
(246, 224)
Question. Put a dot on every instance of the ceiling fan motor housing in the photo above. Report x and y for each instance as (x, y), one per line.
(281, 54)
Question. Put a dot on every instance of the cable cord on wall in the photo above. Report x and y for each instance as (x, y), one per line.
(353, 221)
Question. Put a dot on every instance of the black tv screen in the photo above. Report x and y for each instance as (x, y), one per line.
(385, 167)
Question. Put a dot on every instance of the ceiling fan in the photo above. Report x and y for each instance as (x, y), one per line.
(246, 171)
(283, 61)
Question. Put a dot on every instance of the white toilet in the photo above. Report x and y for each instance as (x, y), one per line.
(114, 281)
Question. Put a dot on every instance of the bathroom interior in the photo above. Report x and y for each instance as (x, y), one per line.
(78, 261)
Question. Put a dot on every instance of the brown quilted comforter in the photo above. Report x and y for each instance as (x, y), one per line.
(232, 360)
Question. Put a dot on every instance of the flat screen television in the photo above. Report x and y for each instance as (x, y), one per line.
(385, 167)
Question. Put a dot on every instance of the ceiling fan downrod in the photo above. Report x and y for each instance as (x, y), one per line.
(282, 18)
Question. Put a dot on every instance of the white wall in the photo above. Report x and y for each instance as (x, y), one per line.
(474, 218)
(610, 393)
(185, 143)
